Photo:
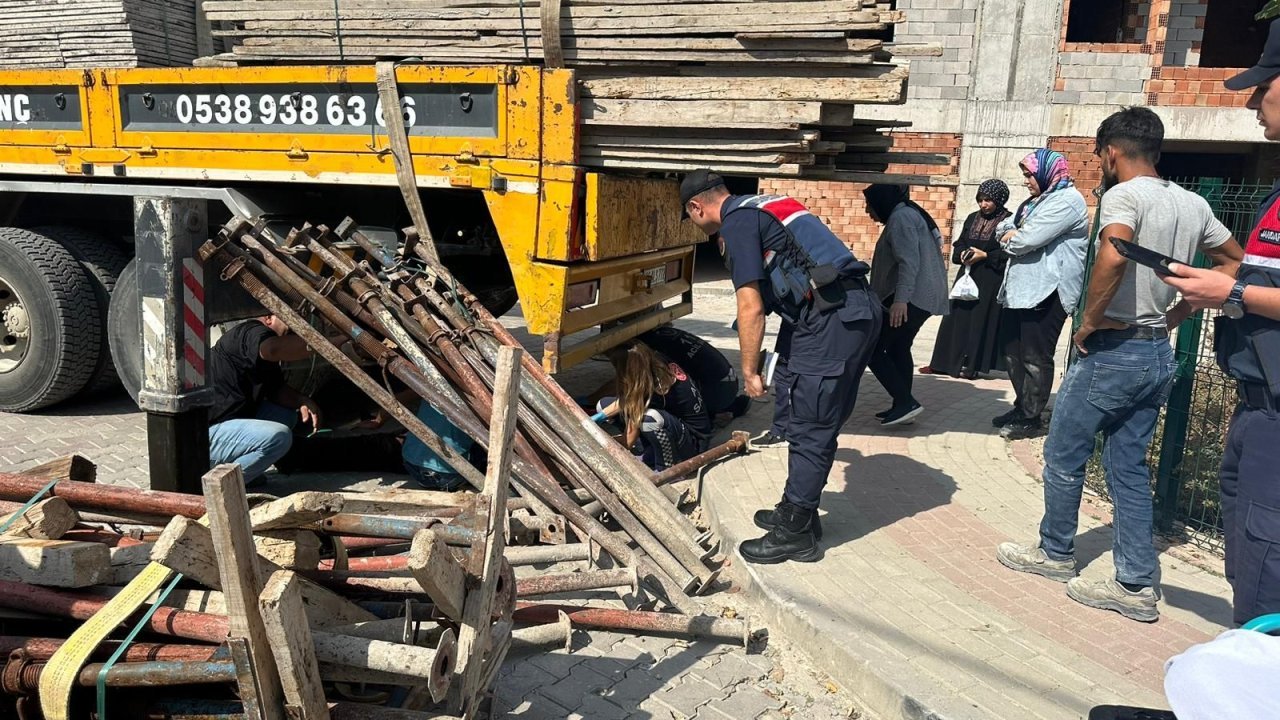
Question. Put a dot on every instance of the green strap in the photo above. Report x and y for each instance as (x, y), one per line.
(142, 623)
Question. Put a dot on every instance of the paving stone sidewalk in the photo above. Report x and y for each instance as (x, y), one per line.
(909, 607)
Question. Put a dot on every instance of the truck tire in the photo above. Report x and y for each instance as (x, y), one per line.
(103, 260)
(489, 279)
(49, 317)
(124, 330)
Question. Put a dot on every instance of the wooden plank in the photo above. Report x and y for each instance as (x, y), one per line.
(48, 519)
(55, 563)
(71, 467)
(186, 546)
(474, 639)
(438, 572)
(698, 113)
(286, 623)
(128, 561)
(228, 514)
(295, 511)
(867, 90)
(290, 549)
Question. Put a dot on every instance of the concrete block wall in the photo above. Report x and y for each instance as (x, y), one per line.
(841, 206)
(1102, 78)
(1185, 31)
(951, 24)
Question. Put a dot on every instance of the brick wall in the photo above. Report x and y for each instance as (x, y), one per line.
(951, 24)
(841, 206)
(1180, 82)
(1101, 78)
(1086, 169)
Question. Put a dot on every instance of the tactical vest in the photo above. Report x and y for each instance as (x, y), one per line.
(812, 268)
(1248, 349)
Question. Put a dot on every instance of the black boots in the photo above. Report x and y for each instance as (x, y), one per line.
(764, 520)
(791, 537)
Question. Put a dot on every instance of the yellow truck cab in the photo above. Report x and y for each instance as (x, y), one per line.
(95, 163)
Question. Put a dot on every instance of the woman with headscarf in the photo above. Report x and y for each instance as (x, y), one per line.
(968, 340)
(1042, 284)
(909, 275)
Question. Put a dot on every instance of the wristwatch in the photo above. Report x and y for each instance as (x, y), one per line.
(1233, 308)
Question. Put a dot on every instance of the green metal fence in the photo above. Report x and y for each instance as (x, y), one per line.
(1187, 449)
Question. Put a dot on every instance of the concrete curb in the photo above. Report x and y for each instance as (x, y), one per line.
(887, 686)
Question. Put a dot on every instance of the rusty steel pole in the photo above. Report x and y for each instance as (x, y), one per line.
(575, 581)
(104, 497)
(703, 626)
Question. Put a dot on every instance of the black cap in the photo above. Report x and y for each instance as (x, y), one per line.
(698, 182)
(1268, 65)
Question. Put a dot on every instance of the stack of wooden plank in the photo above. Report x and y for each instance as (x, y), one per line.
(758, 87)
(97, 33)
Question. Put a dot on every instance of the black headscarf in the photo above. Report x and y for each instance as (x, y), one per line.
(984, 225)
(883, 198)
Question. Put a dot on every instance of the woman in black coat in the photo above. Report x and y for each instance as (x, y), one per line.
(967, 342)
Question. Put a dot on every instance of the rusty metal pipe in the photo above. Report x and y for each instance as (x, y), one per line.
(575, 581)
(736, 444)
(22, 676)
(104, 497)
(402, 528)
(515, 554)
(702, 626)
(41, 649)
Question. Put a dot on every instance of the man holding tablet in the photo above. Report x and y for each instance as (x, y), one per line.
(1124, 371)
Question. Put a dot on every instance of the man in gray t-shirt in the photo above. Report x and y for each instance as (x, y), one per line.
(1160, 216)
(1125, 367)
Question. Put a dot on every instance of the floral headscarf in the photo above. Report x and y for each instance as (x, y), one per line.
(1050, 170)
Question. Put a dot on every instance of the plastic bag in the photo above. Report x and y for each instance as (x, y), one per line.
(965, 289)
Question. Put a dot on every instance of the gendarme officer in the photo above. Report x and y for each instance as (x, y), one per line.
(785, 260)
(1247, 343)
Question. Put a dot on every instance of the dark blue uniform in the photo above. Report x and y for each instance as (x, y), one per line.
(833, 330)
(1249, 350)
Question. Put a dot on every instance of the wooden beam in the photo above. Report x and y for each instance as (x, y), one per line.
(71, 467)
(56, 563)
(438, 572)
(295, 511)
(292, 646)
(228, 513)
(475, 648)
(48, 519)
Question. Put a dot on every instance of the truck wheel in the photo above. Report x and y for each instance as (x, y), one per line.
(124, 330)
(103, 260)
(48, 322)
(489, 279)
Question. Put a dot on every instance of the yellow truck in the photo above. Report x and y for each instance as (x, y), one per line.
(96, 162)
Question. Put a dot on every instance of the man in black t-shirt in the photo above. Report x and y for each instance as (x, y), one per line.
(254, 412)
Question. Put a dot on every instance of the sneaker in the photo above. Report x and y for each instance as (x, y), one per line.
(902, 416)
(441, 481)
(1111, 595)
(767, 441)
(767, 520)
(1022, 429)
(883, 414)
(1002, 420)
(792, 538)
(1031, 559)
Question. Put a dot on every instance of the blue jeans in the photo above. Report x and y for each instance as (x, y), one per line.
(253, 443)
(1117, 390)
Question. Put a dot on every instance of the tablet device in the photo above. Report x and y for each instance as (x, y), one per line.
(1142, 256)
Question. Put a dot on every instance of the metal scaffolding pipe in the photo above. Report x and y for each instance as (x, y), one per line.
(703, 626)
